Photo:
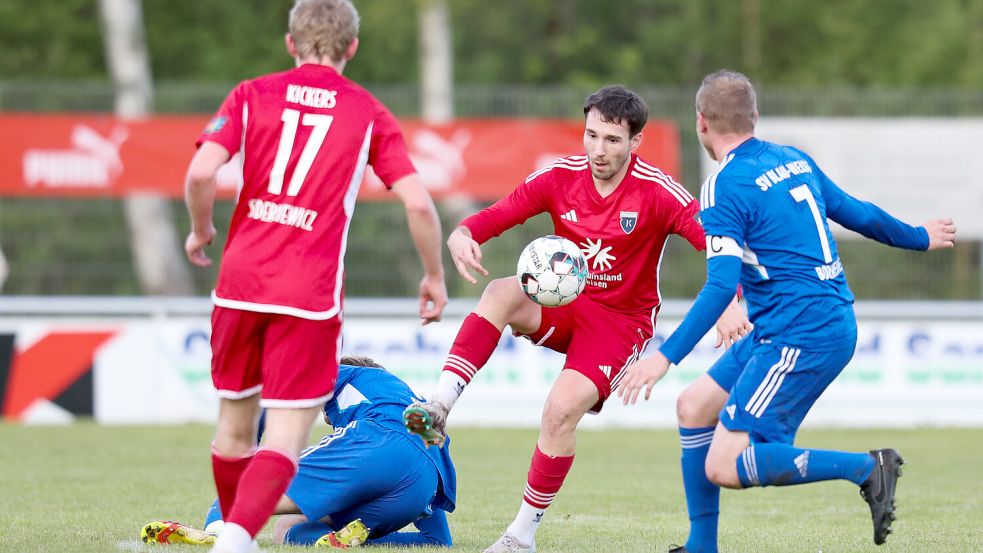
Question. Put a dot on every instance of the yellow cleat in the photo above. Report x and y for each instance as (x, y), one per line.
(353, 534)
(165, 531)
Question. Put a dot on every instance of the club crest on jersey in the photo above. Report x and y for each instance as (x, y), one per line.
(629, 220)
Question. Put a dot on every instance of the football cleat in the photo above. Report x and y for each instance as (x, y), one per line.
(508, 543)
(678, 549)
(353, 534)
(427, 420)
(878, 491)
(165, 531)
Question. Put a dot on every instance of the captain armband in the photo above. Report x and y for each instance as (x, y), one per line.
(723, 245)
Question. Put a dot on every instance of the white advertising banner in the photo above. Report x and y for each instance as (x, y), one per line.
(141, 370)
(915, 168)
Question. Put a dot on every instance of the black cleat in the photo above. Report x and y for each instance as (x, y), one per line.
(878, 491)
(678, 549)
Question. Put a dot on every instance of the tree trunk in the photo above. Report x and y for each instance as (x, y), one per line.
(157, 250)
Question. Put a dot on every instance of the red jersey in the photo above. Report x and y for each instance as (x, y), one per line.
(622, 235)
(304, 137)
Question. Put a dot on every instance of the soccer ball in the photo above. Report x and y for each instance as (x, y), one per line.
(552, 271)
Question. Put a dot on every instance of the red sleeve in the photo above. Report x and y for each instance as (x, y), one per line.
(686, 224)
(528, 199)
(225, 128)
(388, 155)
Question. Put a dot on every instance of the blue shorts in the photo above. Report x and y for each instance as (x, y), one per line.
(773, 386)
(365, 471)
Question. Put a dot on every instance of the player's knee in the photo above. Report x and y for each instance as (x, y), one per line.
(692, 412)
(721, 472)
(503, 293)
(685, 410)
(558, 419)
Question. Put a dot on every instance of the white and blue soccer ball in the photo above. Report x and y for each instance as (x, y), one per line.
(552, 271)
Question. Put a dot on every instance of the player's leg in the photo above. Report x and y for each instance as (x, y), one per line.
(299, 371)
(752, 445)
(502, 303)
(407, 499)
(269, 473)
(696, 410)
(758, 425)
(236, 374)
(572, 395)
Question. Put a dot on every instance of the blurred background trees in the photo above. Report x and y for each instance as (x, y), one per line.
(896, 43)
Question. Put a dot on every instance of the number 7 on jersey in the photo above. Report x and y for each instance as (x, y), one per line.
(290, 117)
(802, 193)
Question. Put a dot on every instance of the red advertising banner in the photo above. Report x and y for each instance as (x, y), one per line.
(68, 155)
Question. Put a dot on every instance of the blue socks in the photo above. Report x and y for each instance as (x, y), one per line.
(702, 496)
(785, 465)
(214, 513)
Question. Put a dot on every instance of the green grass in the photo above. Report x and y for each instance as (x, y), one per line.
(90, 488)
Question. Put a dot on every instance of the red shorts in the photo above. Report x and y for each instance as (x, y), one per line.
(599, 342)
(292, 361)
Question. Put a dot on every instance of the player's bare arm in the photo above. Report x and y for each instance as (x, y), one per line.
(732, 325)
(941, 234)
(466, 254)
(424, 224)
(199, 194)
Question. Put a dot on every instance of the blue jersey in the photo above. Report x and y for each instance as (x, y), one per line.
(764, 211)
(772, 200)
(369, 393)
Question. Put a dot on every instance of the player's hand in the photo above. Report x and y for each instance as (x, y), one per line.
(941, 234)
(732, 325)
(195, 244)
(643, 373)
(466, 254)
(433, 298)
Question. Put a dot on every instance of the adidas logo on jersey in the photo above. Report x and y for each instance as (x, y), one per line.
(606, 369)
(731, 409)
(570, 216)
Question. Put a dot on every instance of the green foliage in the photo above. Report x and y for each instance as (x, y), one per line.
(95, 486)
(580, 42)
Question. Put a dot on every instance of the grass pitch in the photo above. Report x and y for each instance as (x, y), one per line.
(89, 488)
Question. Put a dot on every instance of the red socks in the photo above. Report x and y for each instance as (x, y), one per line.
(474, 344)
(227, 471)
(262, 484)
(546, 476)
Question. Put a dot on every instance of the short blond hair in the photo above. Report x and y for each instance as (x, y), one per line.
(728, 102)
(323, 28)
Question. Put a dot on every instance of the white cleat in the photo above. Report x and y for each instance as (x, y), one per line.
(508, 543)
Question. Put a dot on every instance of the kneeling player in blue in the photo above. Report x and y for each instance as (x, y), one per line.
(765, 213)
(369, 470)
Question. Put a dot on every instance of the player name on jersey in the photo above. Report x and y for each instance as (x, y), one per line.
(771, 177)
(311, 97)
(284, 214)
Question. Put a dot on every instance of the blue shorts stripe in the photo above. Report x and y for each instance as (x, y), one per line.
(767, 380)
(769, 386)
(781, 377)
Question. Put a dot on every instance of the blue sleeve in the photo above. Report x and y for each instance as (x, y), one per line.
(433, 532)
(725, 205)
(723, 275)
(345, 375)
(869, 220)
